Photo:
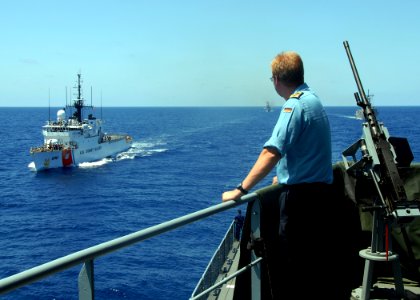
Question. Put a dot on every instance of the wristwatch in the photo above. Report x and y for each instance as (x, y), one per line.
(240, 187)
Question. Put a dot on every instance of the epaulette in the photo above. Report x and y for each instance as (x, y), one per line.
(296, 95)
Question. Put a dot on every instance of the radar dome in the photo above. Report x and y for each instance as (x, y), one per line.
(61, 114)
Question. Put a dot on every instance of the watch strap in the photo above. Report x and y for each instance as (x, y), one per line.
(240, 188)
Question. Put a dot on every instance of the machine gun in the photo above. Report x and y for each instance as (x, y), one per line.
(379, 159)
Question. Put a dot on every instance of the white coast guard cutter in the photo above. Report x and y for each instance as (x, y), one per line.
(69, 141)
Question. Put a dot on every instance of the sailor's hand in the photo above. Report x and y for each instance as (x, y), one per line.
(275, 180)
(231, 195)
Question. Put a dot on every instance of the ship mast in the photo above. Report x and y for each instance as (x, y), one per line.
(78, 103)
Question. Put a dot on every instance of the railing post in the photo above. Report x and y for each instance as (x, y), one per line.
(86, 282)
(256, 270)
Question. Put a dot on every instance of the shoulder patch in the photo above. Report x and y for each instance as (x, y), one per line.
(287, 109)
(296, 95)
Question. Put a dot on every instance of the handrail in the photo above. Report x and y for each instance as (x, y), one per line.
(220, 256)
(36, 273)
(226, 279)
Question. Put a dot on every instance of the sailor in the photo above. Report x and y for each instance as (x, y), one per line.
(239, 223)
(300, 150)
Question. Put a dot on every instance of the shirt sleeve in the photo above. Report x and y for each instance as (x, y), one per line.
(287, 129)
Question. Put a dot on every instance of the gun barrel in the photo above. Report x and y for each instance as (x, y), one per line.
(361, 99)
(364, 100)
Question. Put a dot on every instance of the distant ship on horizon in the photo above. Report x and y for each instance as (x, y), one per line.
(268, 107)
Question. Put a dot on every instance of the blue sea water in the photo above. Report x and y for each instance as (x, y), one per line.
(181, 161)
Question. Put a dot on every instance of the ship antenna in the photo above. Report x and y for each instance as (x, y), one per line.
(49, 106)
(79, 87)
(78, 103)
(101, 104)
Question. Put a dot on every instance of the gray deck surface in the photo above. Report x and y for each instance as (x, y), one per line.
(382, 290)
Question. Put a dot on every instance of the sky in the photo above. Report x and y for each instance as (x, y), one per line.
(205, 53)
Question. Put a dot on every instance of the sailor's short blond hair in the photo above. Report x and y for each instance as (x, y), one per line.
(288, 68)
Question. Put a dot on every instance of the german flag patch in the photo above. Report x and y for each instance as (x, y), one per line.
(296, 95)
(287, 109)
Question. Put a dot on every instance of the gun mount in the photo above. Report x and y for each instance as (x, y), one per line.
(379, 159)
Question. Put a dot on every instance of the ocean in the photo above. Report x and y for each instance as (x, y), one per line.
(181, 161)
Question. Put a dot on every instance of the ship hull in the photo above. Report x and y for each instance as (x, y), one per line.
(87, 151)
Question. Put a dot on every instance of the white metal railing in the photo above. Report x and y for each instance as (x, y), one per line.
(87, 256)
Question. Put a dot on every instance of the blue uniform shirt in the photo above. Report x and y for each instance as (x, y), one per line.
(303, 138)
